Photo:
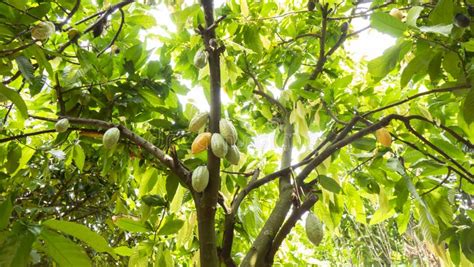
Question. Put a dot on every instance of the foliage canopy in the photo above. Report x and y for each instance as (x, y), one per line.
(380, 150)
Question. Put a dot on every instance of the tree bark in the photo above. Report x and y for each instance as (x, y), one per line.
(207, 201)
(257, 254)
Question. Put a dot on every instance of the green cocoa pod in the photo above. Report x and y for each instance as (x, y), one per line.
(200, 59)
(314, 229)
(111, 137)
(200, 178)
(228, 131)
(42, 30)
(61, 125)
(233, 155)
(218, 145)
(198, 121)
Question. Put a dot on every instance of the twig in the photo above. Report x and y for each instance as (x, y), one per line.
(434, 91)
(438, 185)
(5, 53)
(122, 21)
(289, 224)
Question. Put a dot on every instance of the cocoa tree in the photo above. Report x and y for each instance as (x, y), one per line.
(96, 164)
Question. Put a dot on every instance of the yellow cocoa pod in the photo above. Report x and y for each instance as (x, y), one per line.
(198, 121)
(314, 229)
(200, 178)
(201, 142)
(383, 137)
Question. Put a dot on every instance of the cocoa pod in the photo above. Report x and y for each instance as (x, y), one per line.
(383, 137)
(198, 121)
(228, 131)
(218, 145)
(201, 142)
(61, 125)
(314, 229)
(200, 178)
(233, 155)
(111, 137)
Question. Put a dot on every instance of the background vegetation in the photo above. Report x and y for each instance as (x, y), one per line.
(287, 74)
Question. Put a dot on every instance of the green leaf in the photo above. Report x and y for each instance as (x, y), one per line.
(454, 251)
(82, 233)
(26, 68)
(418, 64)
(63, 250)
(385, 23)
(381, 66)
(441, 29)
(79, 156)
(41, 58)
(15, 249)
(413, 15)
(443, 13)
(329, 184)
(171, 226)
(131, 225)
(16, 99)
(6, 209)
(467, 110)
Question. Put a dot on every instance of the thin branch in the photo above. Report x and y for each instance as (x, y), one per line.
(5, 53)
(437, 149)
(431, 156)
(59, 96)
(438, 185)
(16, 137)
(445, 128)
(165, 159)
(365, 13)
(289, 224)
(70, 14)
(434, 91)
(122, 21)
(314, 35)
(19, 10)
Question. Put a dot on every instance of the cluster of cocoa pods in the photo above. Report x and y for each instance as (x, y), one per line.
(222, 146)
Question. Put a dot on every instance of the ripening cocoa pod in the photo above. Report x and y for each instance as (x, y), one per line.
(383, 137)
(314, 229)
(200, 178)
(111, 137)
(200, 59)
(198, 121)
(42, 30)
(233, 155)
(228, 131)
(218, 145)
(201, 142)
(61, 125)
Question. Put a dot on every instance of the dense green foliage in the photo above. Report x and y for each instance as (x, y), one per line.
(288, 75)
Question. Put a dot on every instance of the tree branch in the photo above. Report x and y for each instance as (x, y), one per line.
(434, 91)
(122, 21)
(289, 224)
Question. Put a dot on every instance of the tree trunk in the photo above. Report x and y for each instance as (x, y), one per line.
(207, 201)
(257, 256)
